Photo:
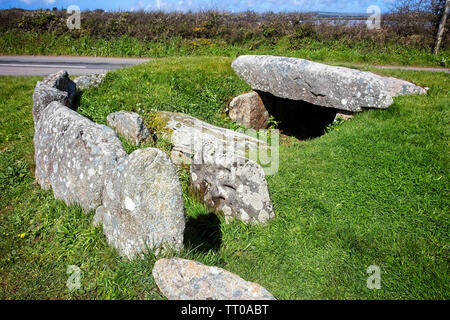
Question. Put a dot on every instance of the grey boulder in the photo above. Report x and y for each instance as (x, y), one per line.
(74, 155)
(231, 184)
(143, 206)
(56, 87)
(129, 125)
(180, 279)
(320, 84)
(89, 81)
(248, 110)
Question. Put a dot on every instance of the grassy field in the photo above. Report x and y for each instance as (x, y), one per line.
(362, 52)
(372, 191)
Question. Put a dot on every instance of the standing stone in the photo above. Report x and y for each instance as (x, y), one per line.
(130, 125)
(56, 87)
(231, 184)
(89, 81)
(143, 206)
(180, 279)
(74, 155)
(248, 110)
(316, 83)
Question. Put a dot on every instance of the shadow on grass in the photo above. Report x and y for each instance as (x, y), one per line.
(203, 233)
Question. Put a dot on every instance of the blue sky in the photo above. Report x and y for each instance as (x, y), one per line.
(358, 6)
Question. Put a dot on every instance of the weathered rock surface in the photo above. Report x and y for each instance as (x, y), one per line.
(74, 155)
(130, 125)
(89, 81)
(143, 206)
(180, 279)
(56, 87)
(398, 87)
(320, 84)
(189, 134)
(248, 110)
(231, 184)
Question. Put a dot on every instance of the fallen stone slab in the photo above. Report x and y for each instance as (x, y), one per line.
(248, 110)
(89, 81)
(231, 184)
(320, 84)
(143, 205)
(56, 87)
(189, 134)
(180, 279)
(74, 155)
(130, 125)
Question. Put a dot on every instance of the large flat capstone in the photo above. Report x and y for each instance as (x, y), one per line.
(74, 155)
(320, 84)
(143, 206)
(180, 279)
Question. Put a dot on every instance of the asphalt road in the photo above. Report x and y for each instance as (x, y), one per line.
(45, 65)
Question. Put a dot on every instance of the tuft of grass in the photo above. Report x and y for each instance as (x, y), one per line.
(374, 192)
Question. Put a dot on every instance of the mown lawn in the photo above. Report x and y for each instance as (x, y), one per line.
(373, 191)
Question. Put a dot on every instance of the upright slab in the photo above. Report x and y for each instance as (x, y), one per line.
(56, 87)
(143, 205)
(74, 155)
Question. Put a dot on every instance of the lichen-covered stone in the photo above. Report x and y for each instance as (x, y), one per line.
(189, 134)
(143, 206)
(398, 87)
(180, 279)
(89, 81)
(248, 110)
(74, 155)
(319, 84)
(130, 125)
(56, 87)
(231, 184)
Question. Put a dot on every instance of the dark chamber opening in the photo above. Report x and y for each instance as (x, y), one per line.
(299, 119)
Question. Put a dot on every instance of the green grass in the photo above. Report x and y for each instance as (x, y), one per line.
(362, 52)
(373, 191)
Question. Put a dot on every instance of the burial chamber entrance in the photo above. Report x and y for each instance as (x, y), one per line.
(297, 118)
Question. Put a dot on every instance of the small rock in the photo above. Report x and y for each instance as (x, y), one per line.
(129, 125)
(231, 184)
(180, 279)
(56, 87)
(143, 205)
(345, 115)
(89, 81)
(248, 110)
